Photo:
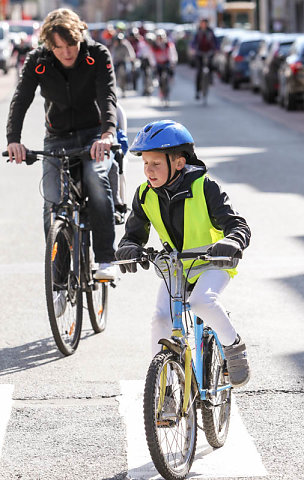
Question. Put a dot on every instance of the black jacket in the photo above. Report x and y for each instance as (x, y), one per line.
(77, 98)
(171, 201)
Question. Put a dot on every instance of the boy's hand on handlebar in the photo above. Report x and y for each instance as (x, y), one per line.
(16, 152)
(126, 253)
(225, 248)
(102, 147)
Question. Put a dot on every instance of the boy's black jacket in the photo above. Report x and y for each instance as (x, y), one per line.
(77, 98)
(171, 201)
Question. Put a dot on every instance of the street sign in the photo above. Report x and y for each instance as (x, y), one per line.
(189, 11)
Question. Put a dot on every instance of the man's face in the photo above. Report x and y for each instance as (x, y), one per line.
(203, 25)
(65, 53)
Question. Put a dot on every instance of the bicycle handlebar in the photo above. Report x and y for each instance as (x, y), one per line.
(33, 156)
(151, 254)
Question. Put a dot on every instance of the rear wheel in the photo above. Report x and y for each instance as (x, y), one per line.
(63, 292)
(171, 436)
(216, 410)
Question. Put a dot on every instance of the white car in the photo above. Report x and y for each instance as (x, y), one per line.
(5, 47)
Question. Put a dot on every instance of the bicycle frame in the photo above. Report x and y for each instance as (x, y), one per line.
(179, 336)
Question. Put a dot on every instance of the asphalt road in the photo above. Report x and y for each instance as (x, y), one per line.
(68, 418)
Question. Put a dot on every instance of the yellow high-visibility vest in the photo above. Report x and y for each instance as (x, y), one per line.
(199, 233)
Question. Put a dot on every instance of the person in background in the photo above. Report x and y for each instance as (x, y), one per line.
(203, 43)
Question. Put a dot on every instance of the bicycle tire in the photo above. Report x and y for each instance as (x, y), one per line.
(216, 415)
(59, 277)
(205, 84)
(164, 86)
(171, 442)
(97, 301)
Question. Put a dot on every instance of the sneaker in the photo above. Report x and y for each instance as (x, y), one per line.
(106, 271)
(237, 364)
(60, 303)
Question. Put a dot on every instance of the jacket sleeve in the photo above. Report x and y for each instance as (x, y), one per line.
(22, 99)
(138, 225)
(106, 90)
(223, 216)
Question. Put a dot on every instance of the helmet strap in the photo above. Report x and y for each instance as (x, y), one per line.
(169, 179)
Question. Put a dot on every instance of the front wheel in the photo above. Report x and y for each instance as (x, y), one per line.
(171, 435)
(216, 410)
(97, 301)
(62, 289)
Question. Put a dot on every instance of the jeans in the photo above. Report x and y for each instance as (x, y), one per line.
(204, 302)
(96, 183)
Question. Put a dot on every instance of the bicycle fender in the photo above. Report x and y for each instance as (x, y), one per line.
(171, 345)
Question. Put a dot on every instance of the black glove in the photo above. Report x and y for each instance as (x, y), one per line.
(127, 252)
(226, 248)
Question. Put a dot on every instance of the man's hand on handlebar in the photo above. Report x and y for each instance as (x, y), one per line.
(102, 147)
(16, 152)
(126, 253)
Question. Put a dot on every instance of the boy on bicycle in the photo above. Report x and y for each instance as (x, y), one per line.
(189, 211)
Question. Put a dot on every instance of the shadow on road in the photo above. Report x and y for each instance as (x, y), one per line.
(295, 282)
(29, 355)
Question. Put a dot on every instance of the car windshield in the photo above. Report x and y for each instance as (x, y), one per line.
(28, 29)
(284, 48)
(1, 33)
(247, 47)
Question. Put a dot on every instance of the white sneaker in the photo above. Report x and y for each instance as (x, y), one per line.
(106, 271)
(60, 303)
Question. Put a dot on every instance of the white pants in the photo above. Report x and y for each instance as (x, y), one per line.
(204, 301)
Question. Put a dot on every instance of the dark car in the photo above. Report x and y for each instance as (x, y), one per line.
(279, 50)
(244, 49)
(291, 77)
(256, 62)
(223, 55)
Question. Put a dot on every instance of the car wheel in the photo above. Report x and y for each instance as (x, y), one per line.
(290, 102)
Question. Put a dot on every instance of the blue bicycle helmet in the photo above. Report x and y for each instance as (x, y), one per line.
(162, 135)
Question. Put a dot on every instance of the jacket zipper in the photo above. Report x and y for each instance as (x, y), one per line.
(70, 102)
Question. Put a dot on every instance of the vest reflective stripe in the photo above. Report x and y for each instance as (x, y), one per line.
(198, 229)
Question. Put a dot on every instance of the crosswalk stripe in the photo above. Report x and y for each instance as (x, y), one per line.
(6, 402)
(237, 458)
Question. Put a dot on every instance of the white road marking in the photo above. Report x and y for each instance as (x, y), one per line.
(238, 458)
(6, 402)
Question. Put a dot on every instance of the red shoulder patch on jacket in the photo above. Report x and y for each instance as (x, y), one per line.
(109, 65)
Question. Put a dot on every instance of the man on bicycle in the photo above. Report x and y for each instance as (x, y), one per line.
(165, 53)
(77, 83)
(189, 211)
(203, 43)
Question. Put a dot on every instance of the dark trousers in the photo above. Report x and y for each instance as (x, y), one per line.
(96, 184)
(199, 70)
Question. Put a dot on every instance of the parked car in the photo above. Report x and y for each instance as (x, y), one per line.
(291, 76)
(256, 62)
(5, 47)
(222, 57)
(246, 46)
(279, 50)
(29, 27)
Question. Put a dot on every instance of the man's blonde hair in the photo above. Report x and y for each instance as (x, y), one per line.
(66, 23)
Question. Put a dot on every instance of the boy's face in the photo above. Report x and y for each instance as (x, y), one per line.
(156, 168)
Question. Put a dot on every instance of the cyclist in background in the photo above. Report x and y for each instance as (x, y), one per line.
(116, 173)
(189, 211)
(77, 82)
(165, 53)
(147, 61)
(203, 43)
(123, 57)
(21, 50)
